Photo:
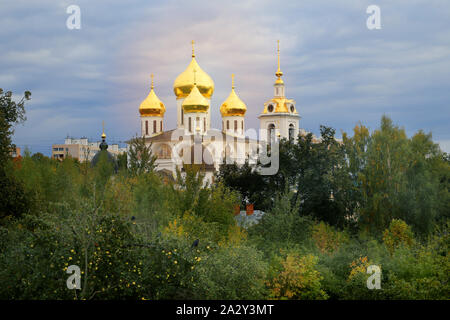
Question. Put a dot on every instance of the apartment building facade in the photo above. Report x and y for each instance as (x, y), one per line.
(81, 149)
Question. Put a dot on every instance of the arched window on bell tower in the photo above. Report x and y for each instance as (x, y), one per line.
(291, 132)
(271, 132)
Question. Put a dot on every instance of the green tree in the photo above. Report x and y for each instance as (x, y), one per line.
(231, 272)
(122, 161)
(398, 234)
(39, 157)
(247, 181)
(11, 113)
(213, 204)
(140, 156)
(13, 201)
(298, 279)
(394, 177)
(322, 179)
(103, 171)
(282, 225)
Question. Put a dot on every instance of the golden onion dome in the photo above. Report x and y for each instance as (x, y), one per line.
(185, 81)
(233, 105)
(152, 106)
(195, 101)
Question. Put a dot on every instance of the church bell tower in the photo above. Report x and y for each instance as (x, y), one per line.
(279, 118)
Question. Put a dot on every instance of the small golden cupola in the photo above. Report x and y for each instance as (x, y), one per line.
(152, 106)
(195, 101)
(233, 105)
(103, 131)
(279, 73)
(184, 83)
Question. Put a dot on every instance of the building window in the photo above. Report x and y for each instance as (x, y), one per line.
(235, 125)
(190, 125)
(164, 152)
(160, 125)
(146, 127)
(291, 131)
(227, 152)
(242, 125)
(270, 108)
(182, 116)
(204, 124)
(271, 132)
(228, 124)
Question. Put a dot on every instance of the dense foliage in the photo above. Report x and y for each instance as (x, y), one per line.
(13, 201)
(333, 209)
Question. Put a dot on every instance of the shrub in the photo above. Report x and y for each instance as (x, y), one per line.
(298, 279)
(231, 272)
(326, 238)
(40, 249)
(398, 234)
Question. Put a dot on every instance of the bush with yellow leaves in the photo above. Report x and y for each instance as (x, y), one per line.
(398, 234)
(326, 238)
(358, 266)
(298, 279)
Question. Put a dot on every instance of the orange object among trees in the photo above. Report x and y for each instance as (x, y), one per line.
(237, 210)
(249, 209)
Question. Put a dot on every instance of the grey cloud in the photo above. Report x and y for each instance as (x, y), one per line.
(338, 71)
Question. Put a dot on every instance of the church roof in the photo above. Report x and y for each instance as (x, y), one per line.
(280, 105)
(110, 158)
(195, 102)
(184, 83)
(103, 152)
(233, 105)
(152, 106)
(168, 136)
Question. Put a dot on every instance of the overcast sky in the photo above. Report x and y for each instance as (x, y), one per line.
(337, 70)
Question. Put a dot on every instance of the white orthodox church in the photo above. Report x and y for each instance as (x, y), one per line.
(193, 141)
